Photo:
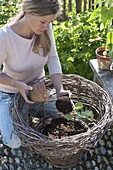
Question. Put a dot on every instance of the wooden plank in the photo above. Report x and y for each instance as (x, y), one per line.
(102, 77)
(69, 5)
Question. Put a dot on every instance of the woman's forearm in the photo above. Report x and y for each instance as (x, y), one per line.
(7, 80)
(57, 82)
(22, 87)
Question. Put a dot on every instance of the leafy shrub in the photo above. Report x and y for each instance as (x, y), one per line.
(74, 45)
(8, 9)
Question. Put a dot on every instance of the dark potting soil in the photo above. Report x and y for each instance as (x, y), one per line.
(60, 127)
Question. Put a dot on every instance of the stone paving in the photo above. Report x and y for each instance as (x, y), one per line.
(99, 158)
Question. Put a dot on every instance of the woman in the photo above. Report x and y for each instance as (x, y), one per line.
(26, 45)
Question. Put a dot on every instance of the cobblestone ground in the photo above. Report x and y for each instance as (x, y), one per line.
(99, 158)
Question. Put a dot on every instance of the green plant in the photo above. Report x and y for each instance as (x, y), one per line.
(73, 45)
(82, 113)
(105, 15)
(8, 9)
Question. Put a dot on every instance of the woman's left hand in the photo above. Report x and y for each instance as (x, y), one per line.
(64, 93)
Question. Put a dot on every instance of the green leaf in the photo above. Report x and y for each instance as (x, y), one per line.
(96, 13)
(87, 114)
(70, 59)
(110, 13)
(104, 15)
(68, 116)
(79, 106)
(110, 37)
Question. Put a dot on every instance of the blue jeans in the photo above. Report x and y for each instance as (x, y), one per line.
(9, 136)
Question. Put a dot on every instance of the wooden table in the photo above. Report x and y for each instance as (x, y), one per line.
(102, 77)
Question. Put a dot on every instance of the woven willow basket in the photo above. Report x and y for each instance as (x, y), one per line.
(66, 152)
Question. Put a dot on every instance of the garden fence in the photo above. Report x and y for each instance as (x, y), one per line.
(79, 5)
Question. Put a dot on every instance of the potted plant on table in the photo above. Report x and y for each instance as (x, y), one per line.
(104, 54)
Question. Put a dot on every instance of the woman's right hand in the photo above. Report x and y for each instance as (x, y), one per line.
(23, 88)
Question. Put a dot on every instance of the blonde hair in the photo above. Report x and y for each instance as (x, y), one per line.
(40, 8)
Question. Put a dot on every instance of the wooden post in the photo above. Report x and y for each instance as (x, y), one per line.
(89, 5)
(78, 6)
(69, 5)
(64, 10)
(85, 4)
(93, 4)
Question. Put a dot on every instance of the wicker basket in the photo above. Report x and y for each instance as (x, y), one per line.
(66, 152)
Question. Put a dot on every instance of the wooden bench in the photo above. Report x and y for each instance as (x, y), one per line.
(102, 77)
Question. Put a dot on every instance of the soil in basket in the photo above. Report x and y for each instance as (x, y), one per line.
(60, 127)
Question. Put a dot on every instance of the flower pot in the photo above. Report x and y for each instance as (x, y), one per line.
(104, 63)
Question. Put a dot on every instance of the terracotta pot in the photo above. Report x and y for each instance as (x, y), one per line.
(104, 63)
(39, 92)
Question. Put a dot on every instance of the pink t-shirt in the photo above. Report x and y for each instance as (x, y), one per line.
(20, 62)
